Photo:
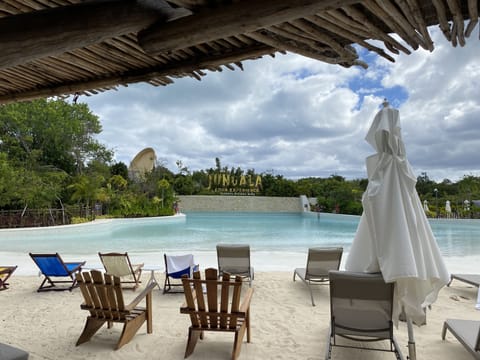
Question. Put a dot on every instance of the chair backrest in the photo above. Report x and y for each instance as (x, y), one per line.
(103, 295)
(50, 264)
(321, 260)
(6, 271)
(117, 264)
(216, 312)
(178, 265)
(234, 259)
(361, 304)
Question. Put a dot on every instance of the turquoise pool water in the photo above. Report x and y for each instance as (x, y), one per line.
(278, 240)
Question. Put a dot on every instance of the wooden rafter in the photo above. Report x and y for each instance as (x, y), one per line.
(229, 20)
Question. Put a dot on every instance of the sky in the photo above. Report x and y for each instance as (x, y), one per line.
(298, 117)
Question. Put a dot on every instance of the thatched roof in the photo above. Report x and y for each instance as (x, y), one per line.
(62, 47)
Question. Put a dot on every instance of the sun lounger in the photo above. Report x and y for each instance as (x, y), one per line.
(51, 267)
(467, 332)
(319, 262)
(118, 264)
(361, 307)
(235, 259)
(219, 311)
(471, 279)
(5, 273)
(105, 302)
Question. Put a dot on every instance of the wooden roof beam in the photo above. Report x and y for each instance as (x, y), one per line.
(240, 17)
(37, 34)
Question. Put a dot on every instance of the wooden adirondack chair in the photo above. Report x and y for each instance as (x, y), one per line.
(104, 300)
(216, 316)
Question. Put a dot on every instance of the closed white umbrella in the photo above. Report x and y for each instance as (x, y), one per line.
(394, 235)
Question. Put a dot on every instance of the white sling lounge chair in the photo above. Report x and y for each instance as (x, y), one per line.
(361, 307)
(467, 332)
(319, 262)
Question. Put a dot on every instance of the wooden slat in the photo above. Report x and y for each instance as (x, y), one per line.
(98, 282)
(93, 293)
(200, 299)
(420, 22)
(332, 27)
(442, 18)
(119, 294)
(457, 29)
(375, 30)
(237, 288)
(211, 277)
(473, 13)
(187, 289)
(85, 292)
(224, 300)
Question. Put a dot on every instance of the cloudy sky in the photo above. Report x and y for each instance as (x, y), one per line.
(298, 117)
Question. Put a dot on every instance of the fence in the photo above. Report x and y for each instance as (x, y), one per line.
(40, 217)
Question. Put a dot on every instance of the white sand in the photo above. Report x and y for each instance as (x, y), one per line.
(284, 325)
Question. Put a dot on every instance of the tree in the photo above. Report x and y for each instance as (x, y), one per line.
(51, 133)
(119, 169)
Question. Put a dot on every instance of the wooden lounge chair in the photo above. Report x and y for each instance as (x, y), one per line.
(209, 315)
(319, 262)
(104, 300)
(52, 266)
(118, 264)
(235, 259)
(361, 307)
(5, 273)
(175, 267)
(467, 332)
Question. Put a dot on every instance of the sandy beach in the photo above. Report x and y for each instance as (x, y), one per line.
(284, 325)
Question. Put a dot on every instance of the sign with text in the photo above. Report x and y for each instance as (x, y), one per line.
(228, 184)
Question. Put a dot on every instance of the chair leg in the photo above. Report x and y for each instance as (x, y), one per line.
(311, 293)
(149, 313)
(130, 329)
(192, 341)
(237, 344)
(247, 320)
(91, 327)
(444, 330)
(328, 352)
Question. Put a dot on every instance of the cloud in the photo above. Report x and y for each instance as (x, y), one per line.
(299, 117)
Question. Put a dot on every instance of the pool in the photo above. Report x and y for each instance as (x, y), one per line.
(278, 241)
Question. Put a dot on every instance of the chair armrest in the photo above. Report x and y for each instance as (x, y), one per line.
(79, 266)
(246, 301)
(142, 295)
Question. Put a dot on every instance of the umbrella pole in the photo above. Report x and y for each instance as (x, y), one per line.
(412, 352)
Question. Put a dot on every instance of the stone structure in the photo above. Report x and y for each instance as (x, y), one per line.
(239, 203)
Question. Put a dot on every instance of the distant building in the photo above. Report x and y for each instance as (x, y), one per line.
(144, 162)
